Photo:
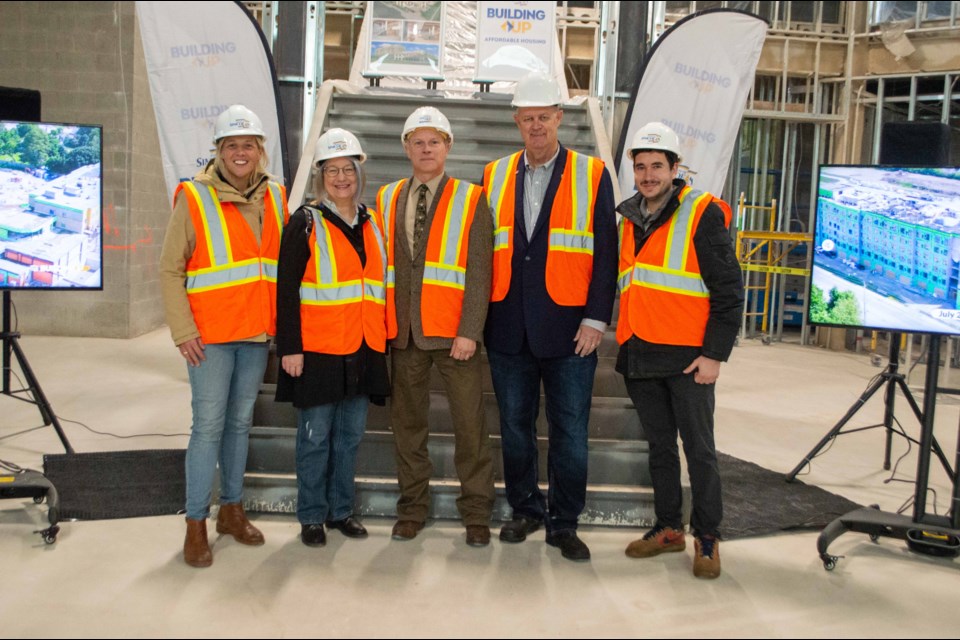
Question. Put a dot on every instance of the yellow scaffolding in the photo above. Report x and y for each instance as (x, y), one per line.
(762, 252)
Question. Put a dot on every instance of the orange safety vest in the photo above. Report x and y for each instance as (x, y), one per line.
(231, 280)
(445, 272)
(663, 298)
(343, 303)
(570, 250)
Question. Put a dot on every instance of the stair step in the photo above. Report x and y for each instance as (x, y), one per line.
(273, 450)
(610, 418)
(483, 131)
(607, 383)
(607, 505)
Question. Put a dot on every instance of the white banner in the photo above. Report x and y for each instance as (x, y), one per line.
(406, 39)
(201, 58)
(695, 80)
(514, 38)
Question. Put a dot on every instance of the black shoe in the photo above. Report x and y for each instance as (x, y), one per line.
(518, 529)
(349, 527)
(571, 547)
(313, 535)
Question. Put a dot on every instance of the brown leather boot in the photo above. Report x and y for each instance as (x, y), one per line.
(196, 549)
(231, 520)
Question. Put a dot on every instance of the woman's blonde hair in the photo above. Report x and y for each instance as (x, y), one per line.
(261, 166)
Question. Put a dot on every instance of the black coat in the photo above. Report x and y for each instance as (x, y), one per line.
(326, 378)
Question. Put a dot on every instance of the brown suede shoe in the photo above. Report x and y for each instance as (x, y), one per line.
(232, 521)
(656, 541)
(196, 549)
(406, 529)
(478, 535)
(706, 557)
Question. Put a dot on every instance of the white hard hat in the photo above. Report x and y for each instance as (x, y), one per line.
(426, 118)
(337, 143)
(237, 120)
(537, 89)
(655, 136)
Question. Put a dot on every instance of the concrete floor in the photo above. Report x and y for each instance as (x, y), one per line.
(126, 578)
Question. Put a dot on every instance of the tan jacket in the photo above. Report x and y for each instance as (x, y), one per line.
(180, 242)
(408, 271)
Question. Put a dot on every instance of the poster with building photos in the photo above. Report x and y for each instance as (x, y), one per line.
(406, 39)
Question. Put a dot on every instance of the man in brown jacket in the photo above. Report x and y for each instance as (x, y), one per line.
(440, 244)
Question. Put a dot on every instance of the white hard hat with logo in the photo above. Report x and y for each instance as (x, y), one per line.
(427, 118)
(337, 143)
(655, 136)
(537, 89)
(237, 120)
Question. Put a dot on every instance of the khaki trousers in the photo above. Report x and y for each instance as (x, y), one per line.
(409, 408)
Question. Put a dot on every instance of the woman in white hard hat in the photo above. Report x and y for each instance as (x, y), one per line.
(218, 274)
(331, 334)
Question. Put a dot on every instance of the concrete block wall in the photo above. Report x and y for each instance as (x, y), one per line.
(86, 60)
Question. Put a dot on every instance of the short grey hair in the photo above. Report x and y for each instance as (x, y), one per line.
(320, 193)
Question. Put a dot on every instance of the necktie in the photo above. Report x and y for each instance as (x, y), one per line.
(421, 220)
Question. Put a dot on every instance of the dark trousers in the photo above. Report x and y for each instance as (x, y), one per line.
(668, 406)
(409, 408)
(568, 388)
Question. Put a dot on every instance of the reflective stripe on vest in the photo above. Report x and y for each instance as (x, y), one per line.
(496, 192)
(386, 205)
(447, 272)
(328, 290)
(578, 238)
(385, 201)
(672, 275)
(223, 271)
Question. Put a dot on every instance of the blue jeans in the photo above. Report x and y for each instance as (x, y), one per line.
(568, 388)
(326, 474)
(224, 389)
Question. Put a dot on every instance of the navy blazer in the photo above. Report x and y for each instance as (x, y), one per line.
(527, 313)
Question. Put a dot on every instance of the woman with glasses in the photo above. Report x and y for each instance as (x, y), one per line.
(331, 334)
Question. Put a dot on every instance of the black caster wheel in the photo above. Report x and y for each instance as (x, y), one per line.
(49, 535)
(38, 499)
(766, 340)
(830, 563)
(874, 537)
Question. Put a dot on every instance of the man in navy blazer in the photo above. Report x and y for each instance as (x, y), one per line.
(554, 279)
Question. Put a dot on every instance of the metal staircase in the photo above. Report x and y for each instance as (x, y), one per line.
(618, 491)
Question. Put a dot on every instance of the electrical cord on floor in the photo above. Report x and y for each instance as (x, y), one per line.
(10, 466)
(91, 430)
(115, 435)
(910, 501)
(806, 469)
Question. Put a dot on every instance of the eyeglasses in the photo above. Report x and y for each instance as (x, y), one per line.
(333, 172)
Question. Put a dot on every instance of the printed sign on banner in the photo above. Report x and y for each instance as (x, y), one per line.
(406, 39)
(514, 38)
(695, 80)
(201, 58)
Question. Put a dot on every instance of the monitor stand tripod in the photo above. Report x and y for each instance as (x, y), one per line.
(27, 483)
(11, 346)
(889, 380)
(925, 533)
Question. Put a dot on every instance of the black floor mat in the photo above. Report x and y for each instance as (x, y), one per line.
(757, 501)
(118, 484)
